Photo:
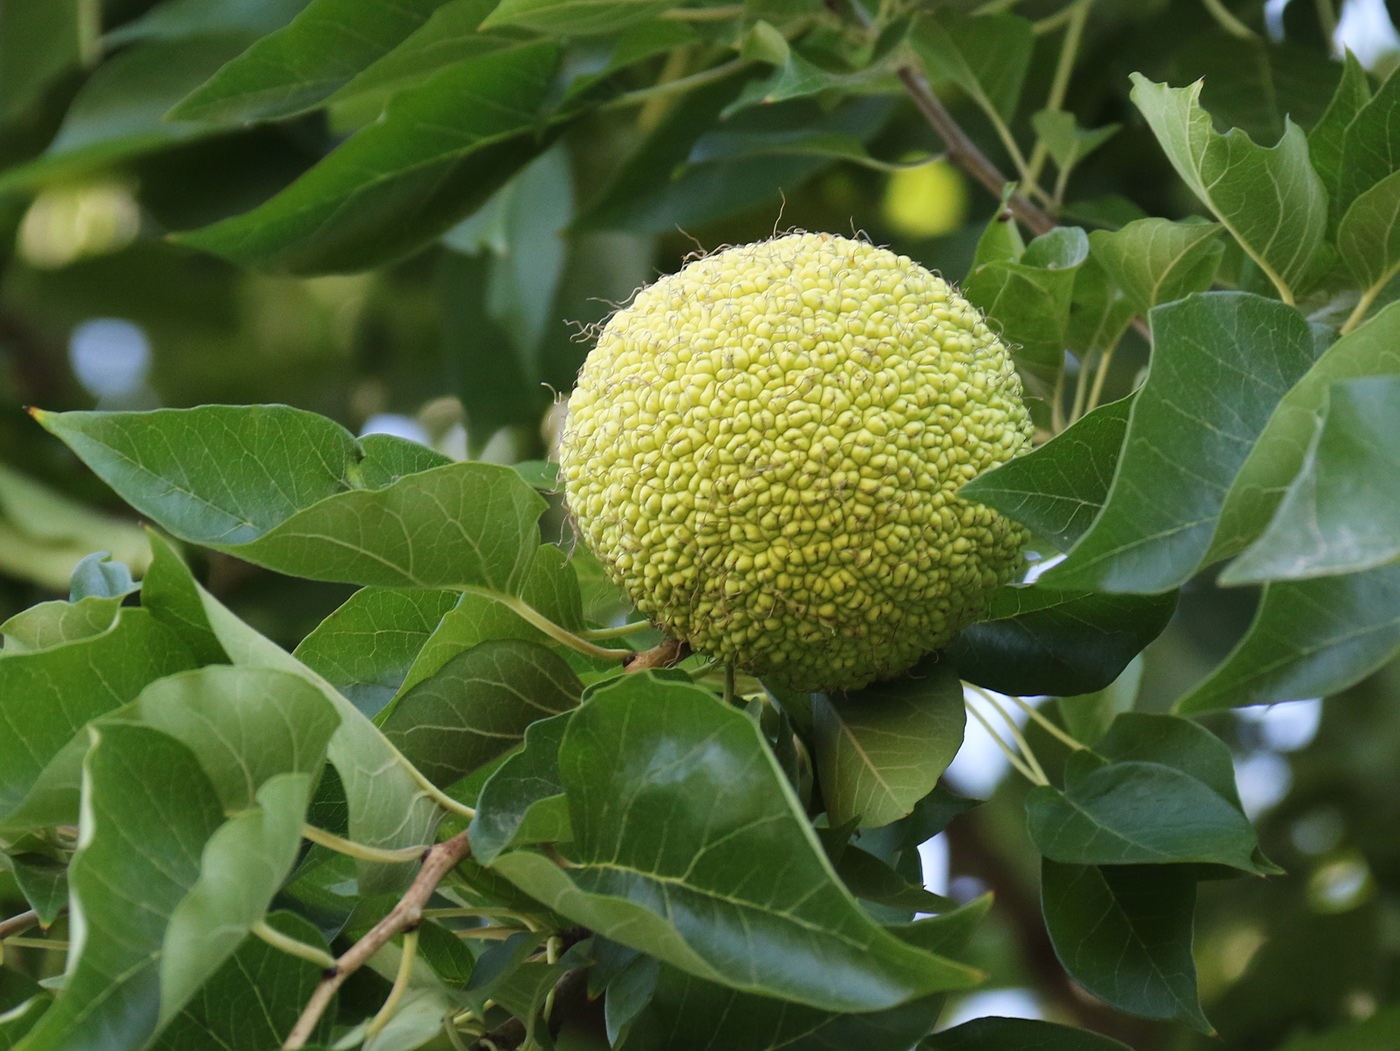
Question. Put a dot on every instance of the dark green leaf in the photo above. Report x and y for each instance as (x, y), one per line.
(66, 687)
(882, 749)
(1368, 238)
(574, 17)
(44, 883)
(295, 68)
(523, 802)
(1028, 300)
(1124, 933)
(281, 487)
(365, 648)
(1037, 640)
(1221, 362)
(1088, 716)
(39, 41)
(1174, 742)
(1065, 141)
(1334, 518)
(439, 151)
(1157, 261)
(1369, 150)
(180, 19)
(246, 725)
(254, 999)
(147, 812)
(986, 56)
(1326, 138)
(1309, 638)
(738, 892)
(477, 706)
(1136, 813)
(1099, 312)
(118, 113)
(870, 879)
(1017, 1034)
(1281, 449)
(1270, 200)
(1057, 490)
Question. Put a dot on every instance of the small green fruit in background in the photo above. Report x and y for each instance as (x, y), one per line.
(765, 450)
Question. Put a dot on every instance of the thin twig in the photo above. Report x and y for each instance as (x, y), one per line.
(663, 655)
(15, 924)
(1228, 21)
(963, 151)
(406, 915)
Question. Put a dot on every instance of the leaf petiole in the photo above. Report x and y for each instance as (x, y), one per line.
(361, 850)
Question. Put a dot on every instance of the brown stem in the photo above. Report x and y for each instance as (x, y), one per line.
(16, 924)
(963, 151)
(662, 655)
(407, 914)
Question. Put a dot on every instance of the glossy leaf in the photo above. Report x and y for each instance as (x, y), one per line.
(882, 749)
(741, 893)
(1309, 638)
(1270, 200)
(365, 648)
(1221, 363)
(1038, 640)
(295, 68)
(1157, 261)
(1335, 518)
(1057, 490)
(440, 150)
(523, 802)
(477, 706)
(1135, 813)
(1124, 933)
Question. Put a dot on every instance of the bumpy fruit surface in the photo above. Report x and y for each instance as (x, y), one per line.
(765, 449)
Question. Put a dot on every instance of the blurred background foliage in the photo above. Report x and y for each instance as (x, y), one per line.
(467, 343)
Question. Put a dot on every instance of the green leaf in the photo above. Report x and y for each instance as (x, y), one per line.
(1270, 200)
(1135, 813)
(1065, 141)
(574, 17)
(1334, 518)
(1029, 298)
(1281, 449)
(880, 750)
(117, 115)
(871, 879)
(1309, 638)
(439, 151)
(1221, 362)
(388, 805)
(98, 576)
(1157, 261)
(242, 866)
(1124, 933)
(1099, 312)
(1175, 742)
(1038, 640)
(51, 624)
(148, 810)
(254, 999)
(39, 41)
(1088, 716)
(738, 892)
(44, 883)
(523, 802)
(685, 1013)
(245, 724)
(1369, 151)
(477, 706)
(1325, 141)
(68, 686)
(278, 487)
(1017, 1034)
(1368, 238)
(179, 19)
(987, 56)
(365, 648)
(1057, 490)
(295, 68)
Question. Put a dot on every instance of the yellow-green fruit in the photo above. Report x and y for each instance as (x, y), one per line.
(765, 450)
